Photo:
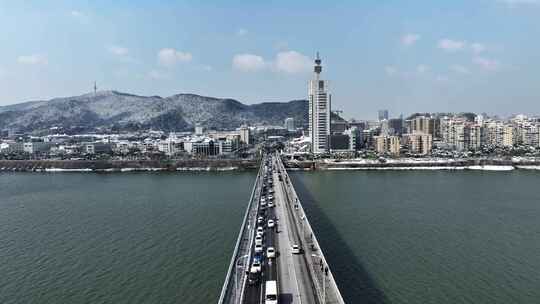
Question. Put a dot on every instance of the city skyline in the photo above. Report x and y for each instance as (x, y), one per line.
(405, 58)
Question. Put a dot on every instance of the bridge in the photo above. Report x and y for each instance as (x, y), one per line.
(277, 258)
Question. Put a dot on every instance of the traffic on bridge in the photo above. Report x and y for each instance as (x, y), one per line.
(277, 258)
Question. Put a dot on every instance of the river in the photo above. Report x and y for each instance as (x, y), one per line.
(390, 237)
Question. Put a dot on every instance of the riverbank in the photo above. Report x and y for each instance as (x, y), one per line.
(127, 166)
(418, 164)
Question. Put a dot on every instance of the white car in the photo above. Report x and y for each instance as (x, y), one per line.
(259, 234)
(260, 220)
(256, 267)
(270, 197)
(271, 252)
(270, 204)
(258, 248)
(295, 249)
(271, 224)
(258, 240)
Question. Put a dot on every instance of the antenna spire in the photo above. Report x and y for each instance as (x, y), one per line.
(318, 67)
(95, 88)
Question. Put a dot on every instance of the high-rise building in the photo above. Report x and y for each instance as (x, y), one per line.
(493, 134)
(418, 143)
(319, 111)
(244, 134)
(396, 126)
(508, 135)
(289, 124)
(423, 125)
(387, 144)
(383, 114)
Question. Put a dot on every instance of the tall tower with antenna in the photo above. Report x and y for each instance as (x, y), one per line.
(95, 88)
(319, 111)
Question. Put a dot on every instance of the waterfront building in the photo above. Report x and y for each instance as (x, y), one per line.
(418, 143)
(340, 143)
(319, 111)
(508, 136)
(388, 145)
(97, 147)
(530, 135)
(37, 147)
(493, 132)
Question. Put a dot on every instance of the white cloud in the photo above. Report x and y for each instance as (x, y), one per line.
(118, 50)
(478, 48)
(292, 62)
(422, 68)
(450, 45)
(169, 57)
(486, 64)
(459, 69)
(241, 32)
(409, 39)
(390, 70)
(248, 63)
(34, 59)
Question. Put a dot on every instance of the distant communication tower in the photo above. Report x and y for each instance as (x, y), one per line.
(95, 88)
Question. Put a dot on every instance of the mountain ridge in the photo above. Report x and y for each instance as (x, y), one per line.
(114, 110)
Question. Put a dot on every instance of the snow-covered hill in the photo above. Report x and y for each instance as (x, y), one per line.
(111, 109)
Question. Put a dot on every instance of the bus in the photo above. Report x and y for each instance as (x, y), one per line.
(271, 294)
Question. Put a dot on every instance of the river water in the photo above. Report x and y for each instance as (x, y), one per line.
(391, 237)
(428, 236)
(118, 238)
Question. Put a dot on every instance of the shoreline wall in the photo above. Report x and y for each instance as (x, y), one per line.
(127, 166)
(473, 164)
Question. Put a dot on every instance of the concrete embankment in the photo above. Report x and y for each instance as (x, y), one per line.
(417, 164)
(126, 166)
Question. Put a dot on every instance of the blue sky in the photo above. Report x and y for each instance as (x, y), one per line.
(405, 56)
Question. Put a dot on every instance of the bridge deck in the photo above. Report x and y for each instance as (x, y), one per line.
(301, 278)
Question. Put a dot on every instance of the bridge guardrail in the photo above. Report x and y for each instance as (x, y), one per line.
(325, 284)
(227, 290)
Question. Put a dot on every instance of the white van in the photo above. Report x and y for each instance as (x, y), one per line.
(271, 294)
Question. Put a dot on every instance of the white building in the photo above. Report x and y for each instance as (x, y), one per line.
(289, 124)
(319, 111)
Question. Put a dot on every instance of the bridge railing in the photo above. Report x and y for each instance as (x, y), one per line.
(325, 285)
(232, 289)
